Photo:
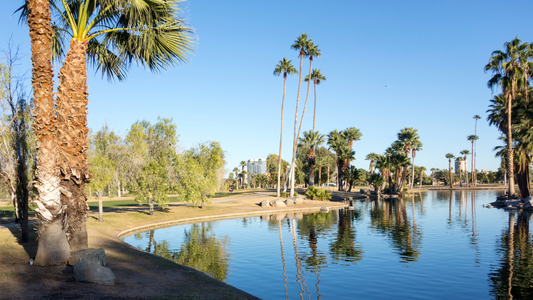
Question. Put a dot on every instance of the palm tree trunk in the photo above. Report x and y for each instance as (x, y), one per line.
(295, 141)
(413, 170)
(450, 170)
(319, 176)
(472, 182)
(72, 100)
(100, 206)
(314, 114)
(53, 248)
(466, 171)
(281, 134)
(510, 159)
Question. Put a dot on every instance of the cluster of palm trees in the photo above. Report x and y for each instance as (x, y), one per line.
(510, 110)
(394, 163)
(110, 35)
(306, 49)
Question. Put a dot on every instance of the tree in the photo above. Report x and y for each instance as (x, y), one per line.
(53, 247)
(17, 145)
(507, 70)
(372, 157)
(476, 117)
(460, 159)
(472, 138)
(155, 147)
(421, 169)
(416, 146)
(450, 156)
(376, 180)
(199, 173)
(465, 153)
(355, 176)
(432, 175)
(284, 66)
(242, 164)
(311, 140)
(408, 136)
(101, 165)
(236, 171)
(317, 78)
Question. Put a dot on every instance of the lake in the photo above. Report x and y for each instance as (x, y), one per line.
(431, 245)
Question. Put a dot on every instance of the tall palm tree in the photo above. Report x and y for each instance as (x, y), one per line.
(460, 159)
(372, 157)
(421, 169)
(475, 117)
(472, 138)
(416, 146)
(450, 156)
(300, 45)
(312, 139)
(507, 71)
(407, 137)
(236, 171)
(317, 78)
(465, 153)
(286, 68)
(111, 34)
(53, 247)
(351, 134)
(432, 175)
(242, 164)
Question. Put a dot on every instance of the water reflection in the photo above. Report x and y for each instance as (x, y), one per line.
(512, 278)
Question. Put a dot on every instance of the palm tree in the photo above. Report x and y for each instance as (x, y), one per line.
(312, 139)
(242, 164)
(286, 68)
(236, 171)
(450, 156)
(299, 45)
(372, 157)
(421, 169)
(416, 146)
(112, 34)
(465, 153)
(432, 175)
(507, 71)
(473, 138)
(407, 137)
(351, 134)
(475, 117)
(317, 78)
(53, 247)
(321, 162)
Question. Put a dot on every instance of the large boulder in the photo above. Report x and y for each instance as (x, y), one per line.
(87, 270)
(297, 199)
(289, 202)
(278, 203)
(528, 202)
(265, 203)
(96, 256)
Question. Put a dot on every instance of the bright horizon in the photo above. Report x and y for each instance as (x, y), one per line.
(388, 66)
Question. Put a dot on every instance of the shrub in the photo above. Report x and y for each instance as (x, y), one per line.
(284, 194)
(317, 194)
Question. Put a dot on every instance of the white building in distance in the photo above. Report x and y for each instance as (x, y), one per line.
(257, 166)
(460, 165)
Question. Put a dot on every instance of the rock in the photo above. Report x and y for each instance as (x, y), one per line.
(324, 209)
(528, 202)
(265, 203)
(96, 256)
(289, 202)
(278, 203)
(297, 200)
(86, 270)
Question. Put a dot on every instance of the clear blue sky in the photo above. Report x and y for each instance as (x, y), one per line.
(389, 65)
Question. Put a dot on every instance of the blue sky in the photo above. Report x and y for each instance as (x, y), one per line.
(389, 65)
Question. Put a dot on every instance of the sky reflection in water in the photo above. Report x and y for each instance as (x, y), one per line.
(436, 245)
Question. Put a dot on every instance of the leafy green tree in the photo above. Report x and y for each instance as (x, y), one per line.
(376, 180)
(200, 173)
(286, 68)
(155, 147)
(450, 156)
(415, 147)
(311, 140)
(408, 137)
(355, 176)
(372, 157)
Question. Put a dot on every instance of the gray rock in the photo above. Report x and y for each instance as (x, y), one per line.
(289, 202)
(278, 203)
(528, 202)
(297, 200)
(324, 209)
(86, 270)
(96, 256)
(265, 203)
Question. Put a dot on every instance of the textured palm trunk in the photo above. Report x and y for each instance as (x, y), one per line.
(320, 176)
(371, 167)
(295, 140)
(413, 170)
(53, 248)
(72, 100)
(421, 178)
(466, 171)
(450, 171)
(311, 161)
(281, 134)
(314, 113)
(472, 166)
(510, 158)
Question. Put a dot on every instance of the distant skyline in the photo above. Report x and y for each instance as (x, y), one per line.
(389, 65)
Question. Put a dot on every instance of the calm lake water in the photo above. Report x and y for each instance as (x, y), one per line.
(434, 245)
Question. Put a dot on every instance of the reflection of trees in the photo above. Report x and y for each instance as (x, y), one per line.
(513, 276)
(343, 247)
(201, 250)
(389, 217)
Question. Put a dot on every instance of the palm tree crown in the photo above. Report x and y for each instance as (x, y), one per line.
(285, 67)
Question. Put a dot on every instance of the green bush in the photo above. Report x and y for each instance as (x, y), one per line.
(284, 194)
(317, 194)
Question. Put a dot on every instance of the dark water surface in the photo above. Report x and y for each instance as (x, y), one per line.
(433, 245)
